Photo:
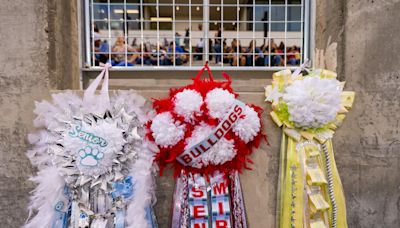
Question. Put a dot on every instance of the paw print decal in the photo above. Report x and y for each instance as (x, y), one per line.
(90, 156)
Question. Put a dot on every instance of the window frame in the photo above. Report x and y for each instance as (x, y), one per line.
(308, 42)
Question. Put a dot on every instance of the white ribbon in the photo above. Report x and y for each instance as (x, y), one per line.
(299, 69)
(98, 104)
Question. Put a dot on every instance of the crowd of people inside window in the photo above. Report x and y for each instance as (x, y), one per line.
(220, 51)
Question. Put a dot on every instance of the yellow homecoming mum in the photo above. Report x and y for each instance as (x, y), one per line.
(309, 109)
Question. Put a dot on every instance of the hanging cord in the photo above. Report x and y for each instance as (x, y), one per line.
(205, 67)
(98, 104)
(301, 68)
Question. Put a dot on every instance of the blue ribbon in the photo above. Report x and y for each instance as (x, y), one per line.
(123, 188)
(150, 217)
(120, 219)
(62, 211)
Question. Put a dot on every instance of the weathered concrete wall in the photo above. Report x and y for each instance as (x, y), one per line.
(368, 144)
(23, 75)
(35, 42)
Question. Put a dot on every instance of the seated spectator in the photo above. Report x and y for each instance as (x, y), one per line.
(119, 49)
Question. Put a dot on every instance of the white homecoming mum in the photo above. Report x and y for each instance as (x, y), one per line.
(313, 102)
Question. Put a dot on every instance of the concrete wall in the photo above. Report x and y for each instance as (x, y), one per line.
(38, 43)
(38, 54)
(24, 74)
(368, 144)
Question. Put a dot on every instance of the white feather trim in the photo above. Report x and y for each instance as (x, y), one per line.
(166, 131)
(142, 173)
(220, 153)
(313, 101)
(48, 192)
(219, 101)
(188, 103)
(249, 126)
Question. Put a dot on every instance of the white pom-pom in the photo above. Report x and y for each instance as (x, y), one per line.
(313, 101)
(219, 101)
(166, 131)
(188, 103)
(220, 153)
(249, 126)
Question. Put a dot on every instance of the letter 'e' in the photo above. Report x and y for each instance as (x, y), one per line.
(199, 211)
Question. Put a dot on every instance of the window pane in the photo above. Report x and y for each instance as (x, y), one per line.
(133, 29)
(262, 27)
(230, 13)
(277, 13)
(133, 12)
(294, 27)
(101, 26)
(262, 13)
(231, 26)
(294, 2)
(277, 26)
(294, 13)
(100, 11)
(182, 12)
(117, 12)
(216, 1)
(215, 13)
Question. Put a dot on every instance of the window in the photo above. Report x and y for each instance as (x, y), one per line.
(234, 34)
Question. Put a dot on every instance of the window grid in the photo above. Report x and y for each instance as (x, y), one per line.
(241, 57)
